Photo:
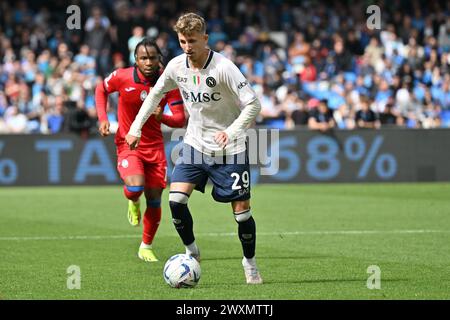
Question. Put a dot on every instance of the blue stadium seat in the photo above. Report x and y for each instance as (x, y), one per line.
(350, 77)
(275, 124)
(445, 117)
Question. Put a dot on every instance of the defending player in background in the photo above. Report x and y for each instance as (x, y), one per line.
(143, 170)
(221, 105)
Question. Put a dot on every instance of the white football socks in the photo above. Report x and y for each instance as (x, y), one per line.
(145, 246)
(192, 249)
(251, 262)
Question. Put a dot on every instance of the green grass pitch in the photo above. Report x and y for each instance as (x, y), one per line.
(313, 242)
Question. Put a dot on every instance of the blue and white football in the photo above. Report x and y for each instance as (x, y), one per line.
(182, 271)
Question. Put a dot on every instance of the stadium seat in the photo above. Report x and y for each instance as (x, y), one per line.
(445, 118)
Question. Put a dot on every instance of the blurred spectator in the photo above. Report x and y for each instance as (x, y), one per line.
(374, 52)
(55, 120)
(121, 28)
(383, 94)
(98, 39)
(138, 35)
(341, 57)
(150, 20)
(163, 42)
(271, 113)
(242, 46)
(297, 114)
(15, 121)
(78, 120)
(253, 70)
(365, 117)
(97, 19)
(430, 117)
(85, 61)
(321, 117)
(353, 44)
(298, 50)
(344, 117)
(216, 34)
(308, 72)
(389, 117)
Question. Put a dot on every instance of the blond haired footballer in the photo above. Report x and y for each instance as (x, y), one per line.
(221, 105)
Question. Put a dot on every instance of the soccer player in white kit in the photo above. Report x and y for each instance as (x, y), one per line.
(221, 105)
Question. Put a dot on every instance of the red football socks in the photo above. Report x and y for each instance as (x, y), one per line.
(152, 218)
(133, 193)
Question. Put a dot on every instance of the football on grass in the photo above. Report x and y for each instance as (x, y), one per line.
(182, 271)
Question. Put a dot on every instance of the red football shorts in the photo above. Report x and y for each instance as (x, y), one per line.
(152, 165)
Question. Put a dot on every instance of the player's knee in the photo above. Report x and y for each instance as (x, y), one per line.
(178, 197)
(133, 192)
(240, 206)
(134, 188)
(178, 207)
(153, 203)
(135, 180)
(242, 216)
(177, 201)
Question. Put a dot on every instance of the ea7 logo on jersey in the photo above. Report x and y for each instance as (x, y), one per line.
(182, 79)
(143, 95)
(201, 96)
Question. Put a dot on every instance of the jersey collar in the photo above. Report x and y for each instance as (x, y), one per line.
(140, 78)
(208, 61)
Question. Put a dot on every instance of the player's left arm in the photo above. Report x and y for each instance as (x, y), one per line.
(250, 105)
(176, 105)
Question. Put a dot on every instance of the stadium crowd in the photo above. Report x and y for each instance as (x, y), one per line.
(314, 64)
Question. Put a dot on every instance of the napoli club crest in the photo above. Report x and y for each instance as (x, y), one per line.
(143, 95)
(211, 82)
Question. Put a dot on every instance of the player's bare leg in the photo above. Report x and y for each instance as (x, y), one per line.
(247, 236)
(152, 218)
(134, 186)
(181, 217)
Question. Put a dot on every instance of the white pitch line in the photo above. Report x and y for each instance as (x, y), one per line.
(330, 232)
(37, 238)
(226, 234)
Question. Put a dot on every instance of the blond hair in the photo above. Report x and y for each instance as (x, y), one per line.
(189, 23)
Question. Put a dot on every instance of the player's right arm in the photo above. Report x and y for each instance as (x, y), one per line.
(164, 84)
(103, 89)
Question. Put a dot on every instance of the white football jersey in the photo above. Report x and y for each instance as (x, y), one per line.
(214, 97)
